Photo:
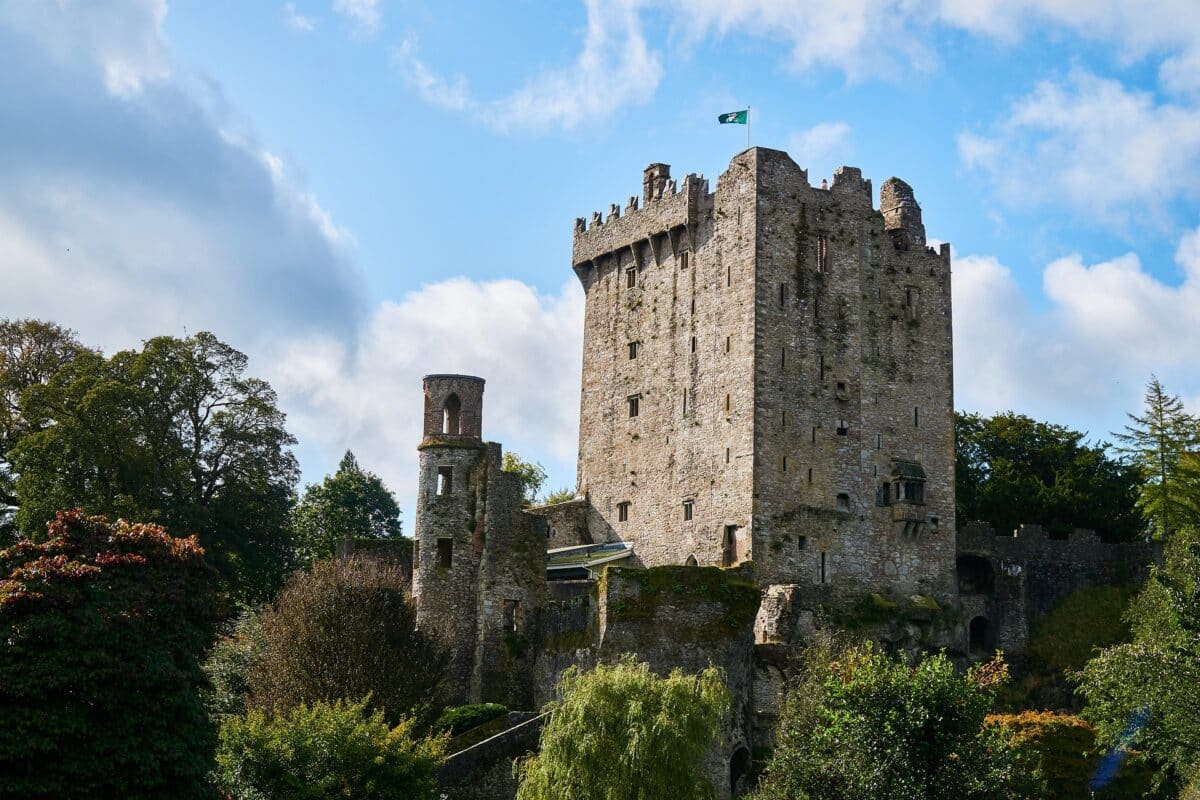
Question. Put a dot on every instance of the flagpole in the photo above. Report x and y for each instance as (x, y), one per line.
(747, 127)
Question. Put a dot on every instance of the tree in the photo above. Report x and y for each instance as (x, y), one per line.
(531, 473)
(1161, 444)
(1145, 695)
(621, 732)
(1011, 470)
(31, 352)
(102, 628)
(227, 666)
(350, 503)
(346, 629)
(326, 751)
(858, 723)
(562, 495)
(174, 434)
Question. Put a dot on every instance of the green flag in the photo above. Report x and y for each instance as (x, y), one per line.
(734, 117)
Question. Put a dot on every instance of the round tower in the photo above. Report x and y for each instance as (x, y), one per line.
(448, 525)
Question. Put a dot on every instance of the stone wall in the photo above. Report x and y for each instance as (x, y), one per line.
(484, 770)
(566, 523)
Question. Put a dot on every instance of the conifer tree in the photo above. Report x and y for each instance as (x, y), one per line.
(1162, 444)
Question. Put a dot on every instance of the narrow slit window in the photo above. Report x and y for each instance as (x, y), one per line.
(820, 367)
(879, 441)
(623, 511)
(726, 455)
(916, 417)
(801, 542)
(727, 344)
(728, 275)
(785, 463)
(693, 344)
(509, 620)
(685, 402)
(814, 435)
(810, 474)
(783, 417)
(683, 260)
(693, 305)
(822, 566)
(634, 402)
(445, 551)
(687, 510)
(445, 480)
(783, 295)
(727, 403)
(782, 357)
(633, 350)
(631, 277)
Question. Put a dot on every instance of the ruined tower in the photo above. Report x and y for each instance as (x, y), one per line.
(480, 562)
(767, 376)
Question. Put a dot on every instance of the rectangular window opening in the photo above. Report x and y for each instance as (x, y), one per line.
(728, 275)
(783, 295)
(445, 552)
(842, 427)
(810, 474)
(916, 417)
(801, 542)
(693, 344)
(683, 260)
(785, 463)
(633, 350)
(445, 480)
(623, 511)
(727, 403)
(820, 367)
(822, 566)
(726, 455)
(634, 402)
(631, 277)
(727, 344)
(814, 435)
(510, 616)
(879, 441)
(687, 510)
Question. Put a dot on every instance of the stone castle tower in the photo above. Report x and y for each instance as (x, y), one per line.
(767, 376)
(479, 563)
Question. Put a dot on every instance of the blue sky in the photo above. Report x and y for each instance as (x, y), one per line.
(357, 192)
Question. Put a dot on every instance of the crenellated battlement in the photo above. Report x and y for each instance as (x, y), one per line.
(665, 209)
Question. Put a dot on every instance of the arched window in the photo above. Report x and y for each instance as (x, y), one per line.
(452, 415)
(691, 561)
(739, 771)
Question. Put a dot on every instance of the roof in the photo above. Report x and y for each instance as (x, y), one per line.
(583, 560)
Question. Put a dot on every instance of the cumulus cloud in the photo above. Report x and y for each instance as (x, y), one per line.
(450, 93)
(297, 21)
(1086, 355)
(365, 394)
(821, 148)
(1107, 151)
(131, 204)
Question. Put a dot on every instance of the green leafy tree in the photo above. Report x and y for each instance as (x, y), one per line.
(174, 434)
(326, 751)
(1145, 695)
(1162, 443)
(102, 627)
(31, 352)
(349, 503)
(621, 732)
(562, 495)
(1011, 470)
(228, 664)
(347, 628)
(858, 723)
(532, 474)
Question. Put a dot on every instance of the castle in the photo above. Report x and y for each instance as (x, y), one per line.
(766, 437)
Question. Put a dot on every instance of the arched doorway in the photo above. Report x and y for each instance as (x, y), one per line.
(975, 575)
(980, 637)
(739, 771)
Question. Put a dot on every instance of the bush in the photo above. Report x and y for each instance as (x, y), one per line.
(346, 629)
(1068, 757)
(228, 664)
(623, 733)
(102, 628)
(460, 719)
(337, 750)
(857, 723)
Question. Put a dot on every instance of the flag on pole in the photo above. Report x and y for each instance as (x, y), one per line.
(734, 117)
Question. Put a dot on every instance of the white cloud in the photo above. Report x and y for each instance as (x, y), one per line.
(128, 208)
(364, 14)
(821, 148)
(297, 21)
(1086, 356)
(453, 94)
(615, 68)
(1108, 152)
(366, 396)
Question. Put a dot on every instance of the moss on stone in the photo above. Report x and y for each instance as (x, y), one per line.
(732, 589)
